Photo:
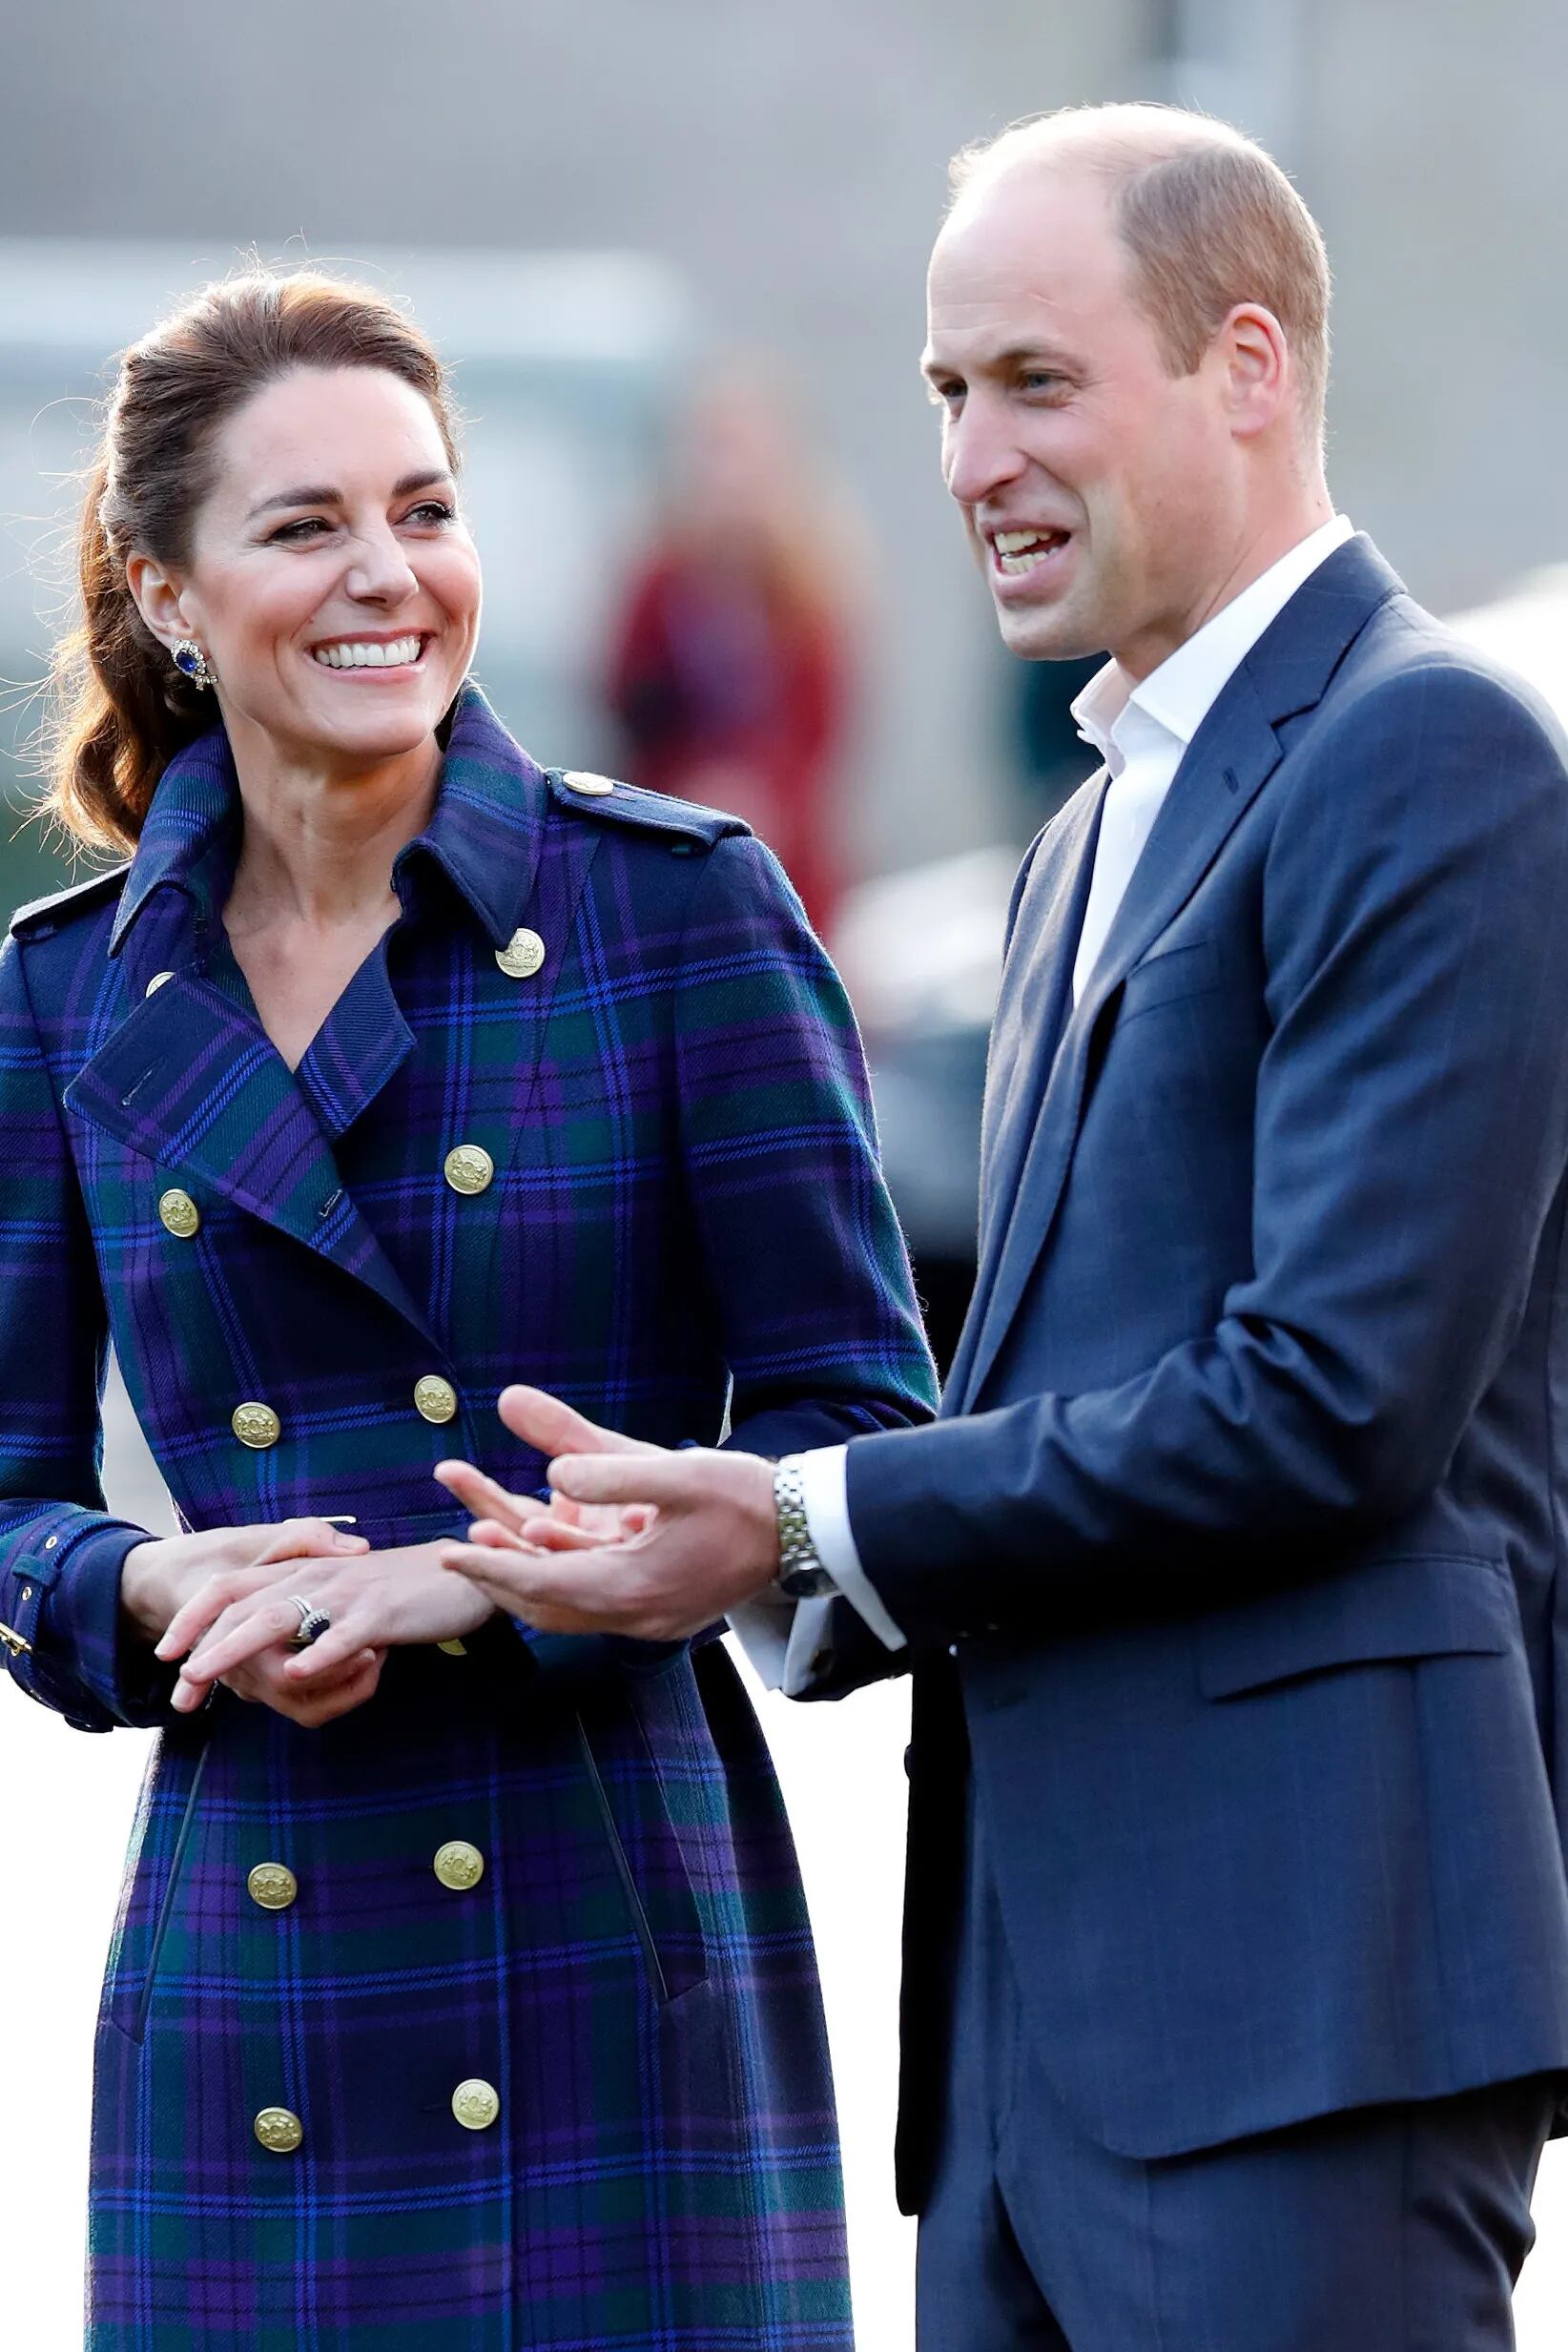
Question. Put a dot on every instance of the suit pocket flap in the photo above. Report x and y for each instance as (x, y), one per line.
(1389, 1610)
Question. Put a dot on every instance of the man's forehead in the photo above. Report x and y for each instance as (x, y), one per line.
(1031, 231)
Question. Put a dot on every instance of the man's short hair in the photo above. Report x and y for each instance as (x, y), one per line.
(1210, 219)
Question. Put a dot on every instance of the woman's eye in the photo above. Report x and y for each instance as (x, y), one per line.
(306, 528)
(431, 511)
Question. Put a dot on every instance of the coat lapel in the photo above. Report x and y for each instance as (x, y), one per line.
(192, 1083)
(1227, 765)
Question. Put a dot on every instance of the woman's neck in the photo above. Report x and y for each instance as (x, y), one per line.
(319, 844)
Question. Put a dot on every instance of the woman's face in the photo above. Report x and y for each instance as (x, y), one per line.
(332, 582)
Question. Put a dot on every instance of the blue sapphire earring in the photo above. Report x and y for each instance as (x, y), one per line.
(192, 663)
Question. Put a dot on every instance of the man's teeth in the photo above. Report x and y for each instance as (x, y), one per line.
(353, 656)
(1022, 551)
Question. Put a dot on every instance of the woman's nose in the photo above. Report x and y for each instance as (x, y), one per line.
(380, 571)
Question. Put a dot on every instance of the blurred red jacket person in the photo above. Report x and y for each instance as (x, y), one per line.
(728, 674)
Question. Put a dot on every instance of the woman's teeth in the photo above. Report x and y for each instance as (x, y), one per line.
(1022, 551)
(356, 656)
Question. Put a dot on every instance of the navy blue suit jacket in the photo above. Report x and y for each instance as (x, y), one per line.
(1244, 1515)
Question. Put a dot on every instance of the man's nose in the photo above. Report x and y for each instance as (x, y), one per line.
(982, 455)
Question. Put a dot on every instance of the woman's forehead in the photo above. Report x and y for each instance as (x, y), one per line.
(326, 428)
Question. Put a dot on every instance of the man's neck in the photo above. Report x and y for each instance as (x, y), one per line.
(1254, 551)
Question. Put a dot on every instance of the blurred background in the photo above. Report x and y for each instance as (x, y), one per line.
(674, 251)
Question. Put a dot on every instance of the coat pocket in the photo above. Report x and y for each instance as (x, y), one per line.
(1388, 1612)
(160, 1848)
(626, 1776)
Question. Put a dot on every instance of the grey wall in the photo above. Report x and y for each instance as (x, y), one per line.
(791, 160)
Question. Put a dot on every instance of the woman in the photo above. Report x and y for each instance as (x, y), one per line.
(461, 1997)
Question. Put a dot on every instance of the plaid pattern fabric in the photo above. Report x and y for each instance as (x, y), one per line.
(686, 1223)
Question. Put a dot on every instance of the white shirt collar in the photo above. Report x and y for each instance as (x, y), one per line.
(1175, 699)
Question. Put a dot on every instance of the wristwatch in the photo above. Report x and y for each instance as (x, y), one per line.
(802, 1574)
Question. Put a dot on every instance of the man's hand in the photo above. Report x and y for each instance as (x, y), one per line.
(696, 1533)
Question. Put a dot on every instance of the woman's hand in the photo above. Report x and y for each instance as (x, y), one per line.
(377, 1601)
(161, 1576)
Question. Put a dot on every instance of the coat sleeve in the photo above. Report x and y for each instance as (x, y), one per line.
(60, 1550)
(806, 1266)
(1411, 1135)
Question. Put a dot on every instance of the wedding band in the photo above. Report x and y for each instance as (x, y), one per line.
(313, 1622)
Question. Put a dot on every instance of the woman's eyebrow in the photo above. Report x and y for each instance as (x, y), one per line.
(316, 495)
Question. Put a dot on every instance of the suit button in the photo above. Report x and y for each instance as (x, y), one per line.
(459, 1866)
(435, 1399)
(278, 2131)
(476, 2104)
(157, 983)
(271, 1884)
(523, 956)
(255, 1426)
(468, 1169)
(179, 1213)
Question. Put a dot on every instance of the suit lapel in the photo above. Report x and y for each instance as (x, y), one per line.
(1033, 1003)
(1227, 763)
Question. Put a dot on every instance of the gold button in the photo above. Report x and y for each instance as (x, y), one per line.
(255, 1426)
(179, 1213)
(470, 1167)
(273, 1884)
(156, 981)
(476, 2104)
(591, 787)
(460, 1866)
(523, 954)
(435, 1399)
(454, 1648)
(279, 2131)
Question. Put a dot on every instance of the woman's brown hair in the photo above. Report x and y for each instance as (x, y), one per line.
(121, 710)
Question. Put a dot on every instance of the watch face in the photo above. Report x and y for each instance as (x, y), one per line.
(805, 1583)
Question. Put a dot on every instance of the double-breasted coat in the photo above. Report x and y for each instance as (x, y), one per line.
(485, 2017)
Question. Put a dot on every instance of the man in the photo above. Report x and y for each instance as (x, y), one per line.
(1237, 2003)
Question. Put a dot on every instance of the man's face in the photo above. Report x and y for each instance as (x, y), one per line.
(1101, 493)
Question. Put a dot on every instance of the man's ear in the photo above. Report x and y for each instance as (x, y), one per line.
(1260, 379)
(157, 596)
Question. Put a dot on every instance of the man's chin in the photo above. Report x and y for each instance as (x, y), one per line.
(1046, 634)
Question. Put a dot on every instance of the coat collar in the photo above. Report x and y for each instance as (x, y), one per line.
(1231, 758)
(484, 831)
(189, 1078)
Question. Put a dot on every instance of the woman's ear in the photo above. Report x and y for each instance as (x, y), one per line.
(156, 595)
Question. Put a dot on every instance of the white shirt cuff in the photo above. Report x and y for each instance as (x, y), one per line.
(780, 1635)
(825, 1492)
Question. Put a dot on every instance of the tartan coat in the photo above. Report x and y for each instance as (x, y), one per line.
(686, 1235)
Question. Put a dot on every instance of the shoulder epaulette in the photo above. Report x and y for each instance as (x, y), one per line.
(43, 915)
(685, 821)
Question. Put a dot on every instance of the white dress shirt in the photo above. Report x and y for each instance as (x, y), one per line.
(1142, 732)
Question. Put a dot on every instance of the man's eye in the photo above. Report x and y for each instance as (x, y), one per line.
(1041, 379)
(946, 395)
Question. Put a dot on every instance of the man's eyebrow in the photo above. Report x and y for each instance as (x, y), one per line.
(317, 495)
(1002, 362)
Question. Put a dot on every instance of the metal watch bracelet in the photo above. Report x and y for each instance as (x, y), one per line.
(802, 1574)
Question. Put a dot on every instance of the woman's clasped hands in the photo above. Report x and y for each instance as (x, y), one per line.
(224, 1605)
